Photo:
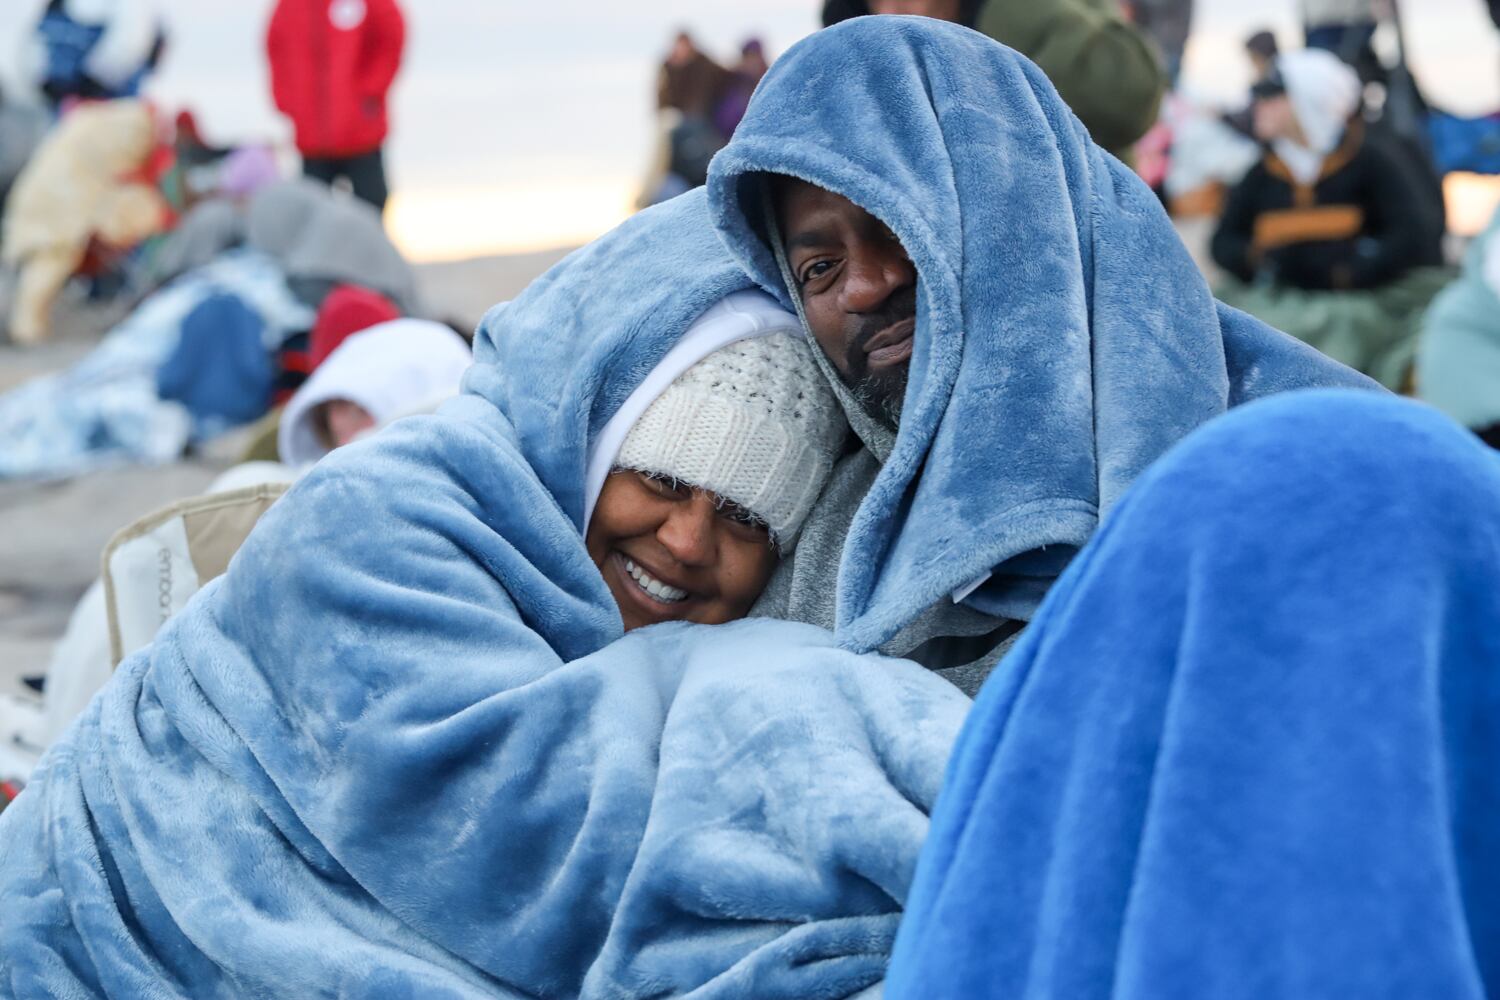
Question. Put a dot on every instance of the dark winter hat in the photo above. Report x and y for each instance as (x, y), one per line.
(1262, 44)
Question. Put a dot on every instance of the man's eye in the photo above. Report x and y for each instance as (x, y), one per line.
(816, 269)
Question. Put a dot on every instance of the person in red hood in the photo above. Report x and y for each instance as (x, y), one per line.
(332, 64)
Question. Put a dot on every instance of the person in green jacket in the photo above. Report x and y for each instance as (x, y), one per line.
(1104, 68)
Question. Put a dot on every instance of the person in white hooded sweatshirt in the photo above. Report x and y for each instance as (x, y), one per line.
(1324, 237)
(374, 377)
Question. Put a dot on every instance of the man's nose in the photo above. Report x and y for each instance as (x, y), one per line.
(689, 532)
(874, 275)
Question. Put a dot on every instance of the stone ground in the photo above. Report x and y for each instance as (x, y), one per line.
(51, 534)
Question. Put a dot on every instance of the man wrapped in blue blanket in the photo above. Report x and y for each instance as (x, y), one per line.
(402, 749)
(1010, 321)
(1243, 748)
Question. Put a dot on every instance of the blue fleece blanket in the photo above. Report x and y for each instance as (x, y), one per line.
(1064, 341)
(1247, 747)
(402, 749)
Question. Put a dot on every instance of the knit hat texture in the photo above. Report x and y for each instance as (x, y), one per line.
(754, 422)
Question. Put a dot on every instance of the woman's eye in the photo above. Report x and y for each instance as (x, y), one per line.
(665, 486)
(742, 518)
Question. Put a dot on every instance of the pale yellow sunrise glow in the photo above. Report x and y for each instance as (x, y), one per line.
(457, 222)
(1471, 200)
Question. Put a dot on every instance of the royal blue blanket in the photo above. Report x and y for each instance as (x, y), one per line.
(1247, 747)
(402, 749)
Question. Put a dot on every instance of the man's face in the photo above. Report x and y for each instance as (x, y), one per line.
(858, 290)
(943, 10)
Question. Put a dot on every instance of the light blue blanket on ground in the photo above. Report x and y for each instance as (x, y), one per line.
(402, 749)
(104, 410)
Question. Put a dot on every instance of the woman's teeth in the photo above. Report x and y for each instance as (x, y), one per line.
(653, 586)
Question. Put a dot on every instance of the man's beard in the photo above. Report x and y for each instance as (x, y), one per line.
(882, 394)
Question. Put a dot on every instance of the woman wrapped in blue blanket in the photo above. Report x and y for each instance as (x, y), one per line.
(405, 745)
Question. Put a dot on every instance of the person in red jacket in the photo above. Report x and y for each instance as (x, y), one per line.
(332, 63)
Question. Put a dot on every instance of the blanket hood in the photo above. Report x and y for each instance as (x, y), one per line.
(1064, 340)
(561, 359)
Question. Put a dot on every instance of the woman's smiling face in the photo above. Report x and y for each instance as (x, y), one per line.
(670, 552)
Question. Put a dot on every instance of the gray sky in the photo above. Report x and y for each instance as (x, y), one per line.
(521, 124)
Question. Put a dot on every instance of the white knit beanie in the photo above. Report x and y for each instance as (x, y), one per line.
(754, 422)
